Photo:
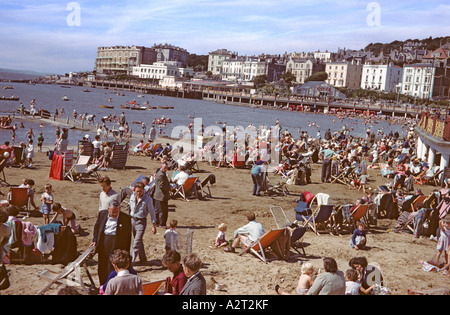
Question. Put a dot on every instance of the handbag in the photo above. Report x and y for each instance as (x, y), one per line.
(4, 279)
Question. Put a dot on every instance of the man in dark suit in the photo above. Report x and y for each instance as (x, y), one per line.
(161, 195)
(112, 230)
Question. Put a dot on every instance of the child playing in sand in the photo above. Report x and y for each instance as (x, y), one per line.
(171, 236)
(220, 240)
(67, 216)
(47, 201)
(358, 240)
(304, 282)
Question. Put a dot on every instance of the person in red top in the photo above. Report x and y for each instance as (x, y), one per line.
(172, 261)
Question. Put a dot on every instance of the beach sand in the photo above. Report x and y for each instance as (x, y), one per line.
(398, 255)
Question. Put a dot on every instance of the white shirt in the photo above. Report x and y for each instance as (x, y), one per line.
(111, 226)
(181, 178)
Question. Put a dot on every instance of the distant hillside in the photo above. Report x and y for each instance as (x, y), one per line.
(11, 74)
(428, 43)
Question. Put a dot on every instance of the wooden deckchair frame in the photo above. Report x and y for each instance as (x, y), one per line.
(186, 187)
(74, 266)
(258, 246)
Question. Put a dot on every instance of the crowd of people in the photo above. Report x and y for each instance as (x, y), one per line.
(118, 237)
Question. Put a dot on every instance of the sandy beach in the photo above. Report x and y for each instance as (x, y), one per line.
(398, 255)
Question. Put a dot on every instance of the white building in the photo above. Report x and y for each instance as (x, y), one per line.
(303, 69)
(216, 58)
(322, 56)
(418, 80)
(159, 70)
(243, 69)
(344, 74)
(381, 77)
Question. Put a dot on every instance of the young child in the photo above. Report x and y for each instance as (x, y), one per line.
(352, 286)
(40, 140)
(67, 216)
(358, 240)
(171, 236)
(305, 281)
(363, 182)
(220, 240)
(125, 283)
(47, 201)
(443, 242)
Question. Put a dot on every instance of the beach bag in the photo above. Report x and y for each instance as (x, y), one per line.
(50, 155)
(4, 278)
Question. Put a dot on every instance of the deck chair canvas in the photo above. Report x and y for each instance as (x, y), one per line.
(262, 243)
(72, 267)
(321, 215)
(151, 288)
(79, 168)
(360, 213)
(19, 197)
(283, 221)
(420, 199)
(186, 188)
(205, 185)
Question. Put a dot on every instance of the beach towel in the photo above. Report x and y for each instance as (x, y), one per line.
(429, 267)
(56, 167)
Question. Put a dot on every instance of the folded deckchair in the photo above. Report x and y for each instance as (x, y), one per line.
(151, 288)
(185, 188)
(74, 266)
(268, 239)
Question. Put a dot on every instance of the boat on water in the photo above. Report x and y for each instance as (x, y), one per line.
(87, 91)
(166, 107)
(8, 87)
(106, 106)
(125, 107)
(65, 86)
(138, 108)
(140, 95)
(65, 98)
(152, 107)
(11, 98)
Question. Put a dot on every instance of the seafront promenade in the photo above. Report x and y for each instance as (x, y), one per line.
(242, 96)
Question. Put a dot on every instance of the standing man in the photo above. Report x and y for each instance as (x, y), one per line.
(161, 195)
(108, 195)
(112, 230)
(140, 206)
(328, 153)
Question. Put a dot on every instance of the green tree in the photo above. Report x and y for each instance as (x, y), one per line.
(259, 81)
(288, 77)
(318, 76)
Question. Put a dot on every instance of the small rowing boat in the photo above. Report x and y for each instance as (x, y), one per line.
(12, 98)
(106, 106)
(138, 108)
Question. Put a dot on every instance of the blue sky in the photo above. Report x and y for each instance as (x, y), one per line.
(35, 34)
